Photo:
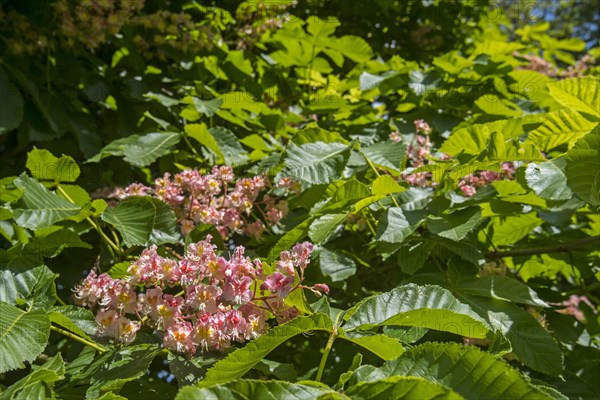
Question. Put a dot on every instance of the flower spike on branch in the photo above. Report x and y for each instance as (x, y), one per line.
(218, 303)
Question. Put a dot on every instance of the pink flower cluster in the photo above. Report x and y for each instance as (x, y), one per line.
(468, 185)
(572, 307)
(216, 199)
(220, 300)
(417, 153)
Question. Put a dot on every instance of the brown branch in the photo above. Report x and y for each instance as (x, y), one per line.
(560, 248)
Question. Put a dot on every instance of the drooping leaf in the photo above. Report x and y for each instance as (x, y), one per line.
(583, 168)
(316, 163)
(242, 360)
(23, 336)
(470, 372)
(39, 207)
(412, 305)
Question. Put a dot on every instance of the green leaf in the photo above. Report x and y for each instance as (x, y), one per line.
(336, 265)
(207, 107)
(396, 225)
(580, 94)
(381, 345)
(140, 150)
(34, 286)
(401, 387)
(501, 288)
(187, 371)
(561, 127)
(237, 363)
(412, 305)
(44, 166)
(324, 227)
(53, 243)
(471, 140)
(39, 207)
(456, 225)
(143, 221)
(385, 185)
(150, 147)
(548, 179)
(469, 371)
(387, 155)
(247, 389)
(531, 343)
(11, 112)
(316, 163)
(353, 47)
(200, 133)
(412, 257)
(583, 168)
(23, 336)
(39, 383)
(229, 146)
(511, 229)
(78, 320)
(115, 369)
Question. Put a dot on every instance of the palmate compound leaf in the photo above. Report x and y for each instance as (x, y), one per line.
(316, 163)
(469, 371)
(23, 336)
(426, 306)
(250, 389)
(38, 207)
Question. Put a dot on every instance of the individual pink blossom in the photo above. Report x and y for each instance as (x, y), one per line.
(236, 290)
(178, 337)
(203, 297)
(278, 283)
(422, 126)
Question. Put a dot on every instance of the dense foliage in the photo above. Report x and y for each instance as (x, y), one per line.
(269, 200)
